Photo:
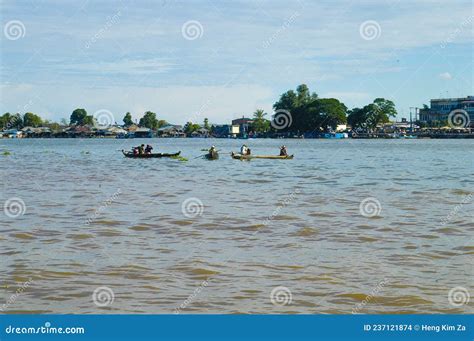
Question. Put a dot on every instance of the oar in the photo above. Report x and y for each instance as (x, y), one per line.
(197, 157)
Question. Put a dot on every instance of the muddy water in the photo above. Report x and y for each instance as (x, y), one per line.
(346, 227)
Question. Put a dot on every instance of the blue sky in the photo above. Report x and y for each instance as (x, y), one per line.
(222, 59)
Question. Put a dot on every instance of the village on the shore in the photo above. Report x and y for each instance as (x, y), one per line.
(297, 114)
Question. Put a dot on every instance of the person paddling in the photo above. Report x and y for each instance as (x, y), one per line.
(283, 151)
(244, 150)
(148, 149)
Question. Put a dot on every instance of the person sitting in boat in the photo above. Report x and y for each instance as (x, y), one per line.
(244, 150)
(141, 149)
(283, 151)
(148, 149)
(135, 150)
(212, 150)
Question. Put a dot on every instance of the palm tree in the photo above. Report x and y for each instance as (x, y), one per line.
(260, 124)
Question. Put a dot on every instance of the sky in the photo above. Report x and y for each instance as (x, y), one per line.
(188, 60)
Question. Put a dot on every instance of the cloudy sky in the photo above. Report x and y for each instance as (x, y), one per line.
(186, 60)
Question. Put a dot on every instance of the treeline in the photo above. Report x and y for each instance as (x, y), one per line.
(304, 111)
(296, 112)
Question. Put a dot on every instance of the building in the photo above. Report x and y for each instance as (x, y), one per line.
(244, 125)
(171, 130)
(441, 108)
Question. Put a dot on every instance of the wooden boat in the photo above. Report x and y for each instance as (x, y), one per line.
(212, 156)
(146, 156)
(250, 157)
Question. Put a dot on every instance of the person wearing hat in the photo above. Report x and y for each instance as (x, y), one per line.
(244, 150)
(283, 151)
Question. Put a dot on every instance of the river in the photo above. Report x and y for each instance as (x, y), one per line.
(347, 226)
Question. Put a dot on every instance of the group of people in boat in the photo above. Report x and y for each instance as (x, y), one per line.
(141, 149)
(244, 150)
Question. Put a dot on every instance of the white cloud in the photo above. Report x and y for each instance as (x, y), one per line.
(445, 76)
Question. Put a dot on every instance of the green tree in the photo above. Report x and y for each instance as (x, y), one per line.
(380, 111)
(357, 118)
(4, 120)
(127, 119)
(260, 124)
(191, 127)
(80, 117)
(149, 120)
(206, 124)
(331, 113)
(32, 120)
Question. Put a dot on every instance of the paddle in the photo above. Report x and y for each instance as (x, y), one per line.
(197, 157)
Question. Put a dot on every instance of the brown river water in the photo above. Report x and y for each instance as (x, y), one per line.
(347, 226)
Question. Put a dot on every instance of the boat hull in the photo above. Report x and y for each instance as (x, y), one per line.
(149, 156)
(212, 156)
(270, 157)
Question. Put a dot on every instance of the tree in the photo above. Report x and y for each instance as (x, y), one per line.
(372, 114)
(206, 124)
(4, 120)
(32, 120)
(127, 119)
(260, 124)
(149, 120)
(357, 118)
(191, 127)
(80, 117)
(331, 112)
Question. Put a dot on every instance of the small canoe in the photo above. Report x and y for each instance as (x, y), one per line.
(147, 156)
(212, 156)
(271, 157)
